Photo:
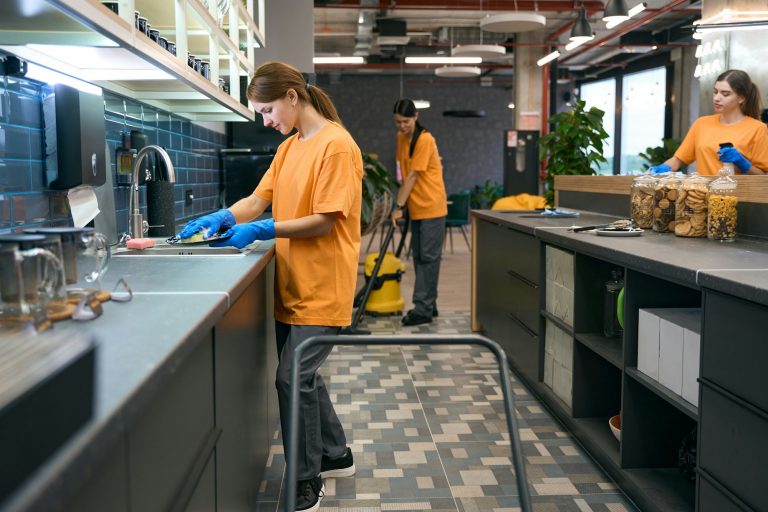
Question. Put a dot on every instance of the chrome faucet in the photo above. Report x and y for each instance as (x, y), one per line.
(138, 226)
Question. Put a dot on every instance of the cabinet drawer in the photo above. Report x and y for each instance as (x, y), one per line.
(521, 300)
(165, 442)
(711, 499)
(732, 446)
(521, 254)
(734, 350)
(520, 344)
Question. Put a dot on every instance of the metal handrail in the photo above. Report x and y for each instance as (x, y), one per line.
(289, 495)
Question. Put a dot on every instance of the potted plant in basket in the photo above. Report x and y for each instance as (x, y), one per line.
(574, 146)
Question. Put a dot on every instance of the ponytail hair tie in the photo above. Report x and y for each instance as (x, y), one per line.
(307, 87)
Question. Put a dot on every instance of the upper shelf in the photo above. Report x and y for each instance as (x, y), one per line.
(86, 40)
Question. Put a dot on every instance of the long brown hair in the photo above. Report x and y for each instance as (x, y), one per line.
(745, 87)
(272, 80)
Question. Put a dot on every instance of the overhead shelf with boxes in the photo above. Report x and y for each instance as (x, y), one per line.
(102, 43)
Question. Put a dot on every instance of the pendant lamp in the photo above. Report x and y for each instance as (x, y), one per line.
(457, 71)
(615, 11)
(513, 22)
(581, 31)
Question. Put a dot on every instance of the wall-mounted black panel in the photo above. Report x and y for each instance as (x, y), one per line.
(80, 136)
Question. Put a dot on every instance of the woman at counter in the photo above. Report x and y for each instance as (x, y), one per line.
(423, 191)
(737, 105)
(315, 187)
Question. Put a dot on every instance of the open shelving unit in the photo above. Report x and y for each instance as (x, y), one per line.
(89, 42)
(606, 381)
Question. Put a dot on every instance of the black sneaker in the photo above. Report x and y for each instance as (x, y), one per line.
(309, 493)
(434, 312)
(339, 467)
(414, 319)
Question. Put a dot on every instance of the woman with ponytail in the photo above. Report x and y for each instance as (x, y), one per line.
(423, 192)
(737, 105)
(315, 187)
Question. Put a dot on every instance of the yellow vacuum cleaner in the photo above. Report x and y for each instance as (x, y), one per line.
(384, 298)
(380, 296)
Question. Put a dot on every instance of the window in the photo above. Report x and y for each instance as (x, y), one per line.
(602, 94)
(642, 115)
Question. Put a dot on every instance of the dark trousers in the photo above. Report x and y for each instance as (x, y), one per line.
(427, 236)
(320, 431)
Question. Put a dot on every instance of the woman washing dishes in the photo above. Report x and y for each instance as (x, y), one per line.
(423, 192)
(737, 105)
(315, 187)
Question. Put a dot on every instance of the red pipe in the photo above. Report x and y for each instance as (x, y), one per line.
(471, 5)
(624, 29)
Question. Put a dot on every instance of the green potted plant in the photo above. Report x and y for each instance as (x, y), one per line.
(483, 196)
(660, 154)
(379, 189)
(575, 146)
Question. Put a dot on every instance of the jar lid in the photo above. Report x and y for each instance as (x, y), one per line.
(673, 178)
(695, 178)
(645, 179)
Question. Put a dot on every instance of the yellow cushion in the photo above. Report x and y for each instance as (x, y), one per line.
(520, 202)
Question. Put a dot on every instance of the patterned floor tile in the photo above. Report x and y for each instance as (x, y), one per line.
(428, 431)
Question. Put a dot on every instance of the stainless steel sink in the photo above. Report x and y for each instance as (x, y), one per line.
(180, 250)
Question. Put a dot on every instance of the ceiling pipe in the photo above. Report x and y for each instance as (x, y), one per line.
(625, 27)
(366, 18)
(468, 5)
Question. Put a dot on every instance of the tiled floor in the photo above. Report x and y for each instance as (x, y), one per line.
(428, 432)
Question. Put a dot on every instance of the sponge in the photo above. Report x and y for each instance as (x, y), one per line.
(140, 243)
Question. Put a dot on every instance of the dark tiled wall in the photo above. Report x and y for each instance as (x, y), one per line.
(471, 148)
(26, 201)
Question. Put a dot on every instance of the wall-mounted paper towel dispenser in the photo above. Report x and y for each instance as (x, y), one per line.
(74, 138)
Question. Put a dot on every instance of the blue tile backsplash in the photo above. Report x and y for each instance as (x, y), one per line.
(26, 201)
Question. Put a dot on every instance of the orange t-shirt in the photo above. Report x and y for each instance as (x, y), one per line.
(315, 277)
(428, 199)
(702, 142)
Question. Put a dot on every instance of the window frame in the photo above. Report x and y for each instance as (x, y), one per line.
(641, 64)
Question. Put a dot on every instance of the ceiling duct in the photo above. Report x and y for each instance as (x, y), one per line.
(392, 32)
(366, 19)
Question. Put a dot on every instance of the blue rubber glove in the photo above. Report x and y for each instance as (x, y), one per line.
(210, 224)
(660, 169)
(732, 155)
(243, 234)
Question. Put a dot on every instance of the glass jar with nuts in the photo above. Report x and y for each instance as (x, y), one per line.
(722, 206)
(664, 198)
(641, 200)
(691, 207)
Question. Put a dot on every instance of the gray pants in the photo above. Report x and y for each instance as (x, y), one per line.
(320, 431)
(427, 236)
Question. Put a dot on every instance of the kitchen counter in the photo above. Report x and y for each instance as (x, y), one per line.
(538, 290)
(139, 344)
(734, 268)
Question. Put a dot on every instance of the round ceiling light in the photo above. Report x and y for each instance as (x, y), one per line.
(484, 51)
(513, 22)
(457, 71)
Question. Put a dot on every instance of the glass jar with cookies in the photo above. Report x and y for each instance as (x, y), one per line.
(664, 198)
(641, 200)
(691, 207)
(722, 204)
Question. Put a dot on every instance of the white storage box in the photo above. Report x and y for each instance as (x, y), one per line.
(675, 365)
(671, 356)
(648, 343)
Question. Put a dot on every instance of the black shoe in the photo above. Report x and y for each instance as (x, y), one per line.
(414, 319)
(339, 467)
(309, 493)
(434, 312)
